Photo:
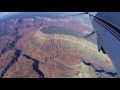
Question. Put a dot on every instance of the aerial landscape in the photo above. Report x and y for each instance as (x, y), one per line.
(50, 45)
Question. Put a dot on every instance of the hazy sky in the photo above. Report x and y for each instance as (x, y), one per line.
(2, 14)
(7, 13)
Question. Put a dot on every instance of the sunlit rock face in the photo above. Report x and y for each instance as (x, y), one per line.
(45, 47)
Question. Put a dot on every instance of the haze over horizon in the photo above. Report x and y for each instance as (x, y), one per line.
(6, 14)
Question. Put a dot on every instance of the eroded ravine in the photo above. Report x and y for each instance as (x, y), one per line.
(15, 59)
(113, 74)
(35, 66)
(11, 46)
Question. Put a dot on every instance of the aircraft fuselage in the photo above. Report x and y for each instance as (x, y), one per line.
(106, 25)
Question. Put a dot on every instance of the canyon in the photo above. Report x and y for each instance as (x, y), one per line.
(43, 47)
